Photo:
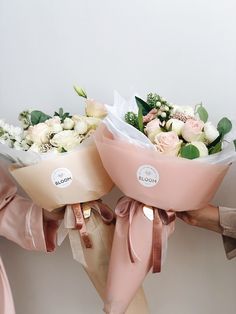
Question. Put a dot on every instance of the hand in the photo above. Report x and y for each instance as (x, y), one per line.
(207, 218)
(51, 223)
(54, 215)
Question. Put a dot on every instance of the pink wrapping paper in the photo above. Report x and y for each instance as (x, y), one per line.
(125, 277)
(190, 184)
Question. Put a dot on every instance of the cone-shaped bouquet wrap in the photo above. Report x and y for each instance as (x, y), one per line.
(56, 162)
(159, 180)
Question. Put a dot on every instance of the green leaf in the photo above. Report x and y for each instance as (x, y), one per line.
(143, 105)
(224, 126)
(234, 141)
(140, 120)
(203, 114)
(216, 141)
(189, 151)
(215, 149)
(38, 117)
(80, 91)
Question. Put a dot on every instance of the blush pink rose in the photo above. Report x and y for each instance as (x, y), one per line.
(168, 143)
(152, 129)
(192, 130)
(38, 134)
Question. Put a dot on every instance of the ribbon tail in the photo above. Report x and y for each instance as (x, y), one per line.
(157, 242)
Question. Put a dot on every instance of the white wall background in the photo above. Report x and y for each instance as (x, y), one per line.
(186, 51)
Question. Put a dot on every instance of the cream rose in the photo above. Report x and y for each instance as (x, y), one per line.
(81, 126)
(54, 124)
(152, 129)
(92, 122)
(211, 132)
(38, 134)
(175, 125)
(95, 109)
(192, 130)
(203, 151)
(168, 143)
(66, 139)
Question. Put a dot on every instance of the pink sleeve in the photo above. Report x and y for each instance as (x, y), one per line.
(228, 223)
(20, 220)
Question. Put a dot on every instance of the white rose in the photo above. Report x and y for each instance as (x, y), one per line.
(66, 139)
(211, 132)
(203, 151)
(81, 126)
(54, 124)
(38, 133)
(175, 125)
(35, 148)
(68, 124)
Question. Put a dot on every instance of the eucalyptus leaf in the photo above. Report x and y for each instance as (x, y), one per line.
(189, 151)
(143, 105)
(38, 117)
(224, 126)
(203, 114)
(215, 149)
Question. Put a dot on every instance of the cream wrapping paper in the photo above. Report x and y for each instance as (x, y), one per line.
(68, 178)
(95, 260)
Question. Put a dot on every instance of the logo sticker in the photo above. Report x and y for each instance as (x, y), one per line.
(61, 177)
(147, 176)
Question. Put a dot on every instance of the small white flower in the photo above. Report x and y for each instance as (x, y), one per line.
(68, 124)
(186, 110)
(211, 132)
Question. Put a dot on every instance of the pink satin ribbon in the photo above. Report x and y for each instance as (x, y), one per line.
(127, 207)
(102, 209)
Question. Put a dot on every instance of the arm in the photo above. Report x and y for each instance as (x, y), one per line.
(221, 220)
(227, 217)
(21, 221)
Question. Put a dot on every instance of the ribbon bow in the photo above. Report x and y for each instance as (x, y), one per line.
(128, 207)
(74, 224)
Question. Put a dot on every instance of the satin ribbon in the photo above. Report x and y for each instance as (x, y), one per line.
(127, 207)
(102, 209)
(74, 224)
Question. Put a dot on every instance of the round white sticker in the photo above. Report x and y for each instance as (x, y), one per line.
(147, 176)
(61, 177)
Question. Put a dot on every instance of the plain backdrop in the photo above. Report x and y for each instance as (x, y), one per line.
(184, 50)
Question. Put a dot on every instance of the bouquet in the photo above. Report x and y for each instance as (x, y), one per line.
(55, 160)
(164, 158)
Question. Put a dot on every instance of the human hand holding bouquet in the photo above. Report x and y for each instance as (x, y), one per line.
(148, 148)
